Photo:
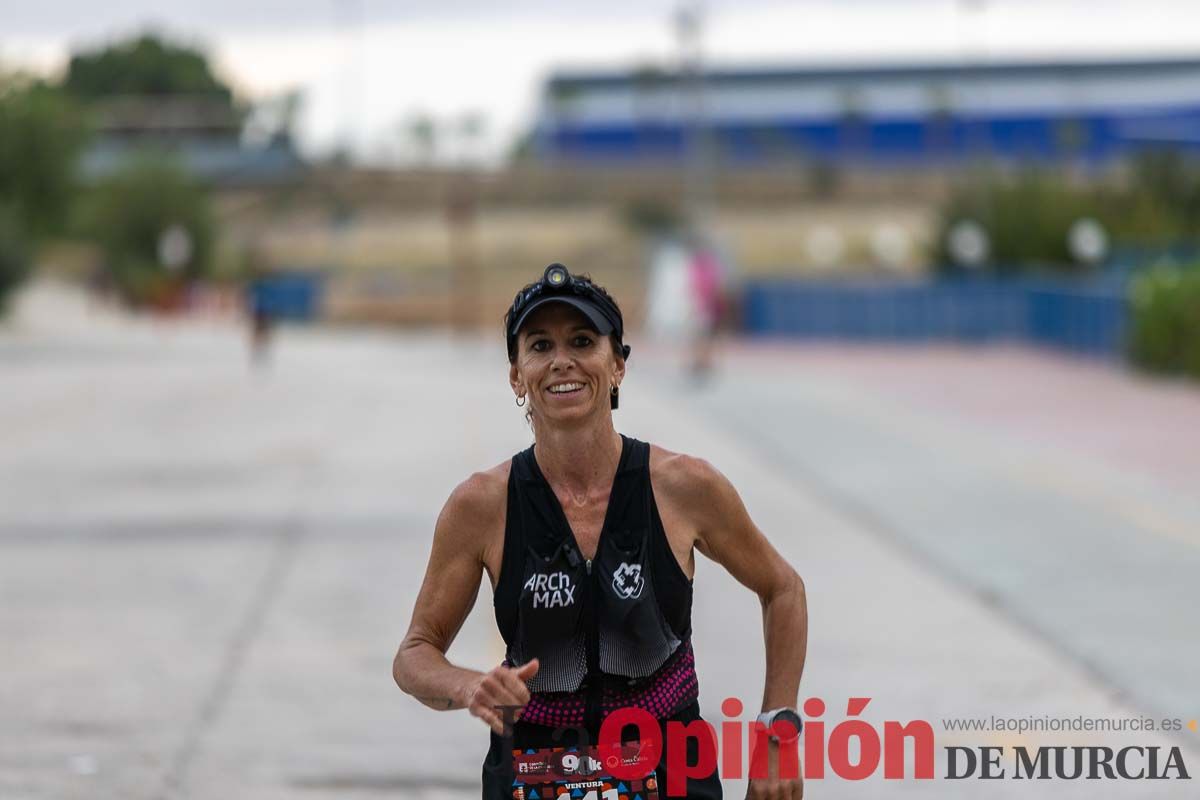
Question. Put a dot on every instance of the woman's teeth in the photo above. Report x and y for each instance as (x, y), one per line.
(565, 387)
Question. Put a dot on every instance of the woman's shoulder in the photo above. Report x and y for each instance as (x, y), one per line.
(680, 475)
(481, 494)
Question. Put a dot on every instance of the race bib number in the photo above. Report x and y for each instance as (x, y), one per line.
(576, 773)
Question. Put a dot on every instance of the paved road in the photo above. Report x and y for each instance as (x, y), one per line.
(1032, 510)
(205, 569)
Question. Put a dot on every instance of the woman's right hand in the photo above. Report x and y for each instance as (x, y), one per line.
(503, 686)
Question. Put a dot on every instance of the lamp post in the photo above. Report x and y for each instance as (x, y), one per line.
(697, 177)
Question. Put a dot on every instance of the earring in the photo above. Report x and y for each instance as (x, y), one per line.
(520, 401)
(613, 392)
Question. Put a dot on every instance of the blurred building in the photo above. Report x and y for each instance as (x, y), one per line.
(204, 134)
(914, 115)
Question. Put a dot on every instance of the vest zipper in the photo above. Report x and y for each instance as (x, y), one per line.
(591, 718)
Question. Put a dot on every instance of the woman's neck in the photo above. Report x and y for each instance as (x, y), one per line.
(579, 459)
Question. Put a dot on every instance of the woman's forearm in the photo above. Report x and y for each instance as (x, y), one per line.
(785, 632)
(423, 671)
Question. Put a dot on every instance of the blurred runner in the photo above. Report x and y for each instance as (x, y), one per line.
(706, 282)
(686, 301)
(261, 320)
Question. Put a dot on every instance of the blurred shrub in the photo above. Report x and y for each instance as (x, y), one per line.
(129, 214)
(41, 135)
(1167, 185)
(1028, 217)
(651, 216)
(1026, 221)
(14, 259)
(1165, 331)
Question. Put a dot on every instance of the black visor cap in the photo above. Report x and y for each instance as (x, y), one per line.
(599, 321)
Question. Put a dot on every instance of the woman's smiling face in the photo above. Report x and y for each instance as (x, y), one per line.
(564, 366)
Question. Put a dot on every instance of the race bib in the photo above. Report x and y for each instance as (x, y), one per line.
(576, 773)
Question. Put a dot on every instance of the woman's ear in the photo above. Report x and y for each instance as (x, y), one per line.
(619, 358)
(514, 378)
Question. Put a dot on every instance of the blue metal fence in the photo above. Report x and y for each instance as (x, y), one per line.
(292, 296)
(1086, 317)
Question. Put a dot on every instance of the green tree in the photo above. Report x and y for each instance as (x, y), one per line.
(130, 213)
(422, 131)
(41, 135)
(14, 258)
(146, 65)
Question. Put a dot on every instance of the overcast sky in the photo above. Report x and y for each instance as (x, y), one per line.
(364, 66)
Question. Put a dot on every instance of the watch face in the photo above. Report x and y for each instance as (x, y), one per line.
(787, 723)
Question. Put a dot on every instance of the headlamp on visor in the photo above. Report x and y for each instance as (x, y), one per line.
(556, 275)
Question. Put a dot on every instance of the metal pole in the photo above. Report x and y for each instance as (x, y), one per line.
(697, 177)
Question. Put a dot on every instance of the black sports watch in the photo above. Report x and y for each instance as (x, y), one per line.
(789, 716)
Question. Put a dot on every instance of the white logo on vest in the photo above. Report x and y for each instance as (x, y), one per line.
(627, 581)
(551, 591)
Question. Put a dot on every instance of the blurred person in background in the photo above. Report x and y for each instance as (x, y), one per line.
(686, 298)
(261, 320)
(706, 280)
(669, 310)
(588, 538)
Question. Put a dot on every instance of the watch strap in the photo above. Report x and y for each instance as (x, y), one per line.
(767, 718)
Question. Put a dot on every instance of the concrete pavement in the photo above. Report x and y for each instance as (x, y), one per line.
(205, 569)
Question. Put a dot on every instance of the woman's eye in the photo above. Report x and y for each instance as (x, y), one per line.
(541, 345)
(583, 341)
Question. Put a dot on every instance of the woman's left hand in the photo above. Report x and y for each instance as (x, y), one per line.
(774, 787)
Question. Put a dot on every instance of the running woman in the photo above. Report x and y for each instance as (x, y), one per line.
(589, 539)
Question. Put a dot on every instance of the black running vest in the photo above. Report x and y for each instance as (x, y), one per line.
(621, 614)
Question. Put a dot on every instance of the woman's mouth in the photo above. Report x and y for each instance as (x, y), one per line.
(565, 389)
